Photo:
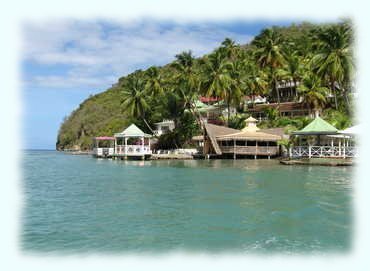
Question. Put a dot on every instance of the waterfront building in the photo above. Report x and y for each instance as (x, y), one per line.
(287, 91)
(321, 139)
(132, 143)
(103, 146)
(251, 100)
(164, 127)
(288, 109)
(220, 141)
(208, 113)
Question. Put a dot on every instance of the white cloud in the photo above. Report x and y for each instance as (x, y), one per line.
(95, 53)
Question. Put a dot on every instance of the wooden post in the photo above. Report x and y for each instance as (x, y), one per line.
(309, 151)
(332, 147)
(255, 156)
(340, 147)
(234, 149)
(142, 144)
(344, 148)
(125, 145)
(115, 145)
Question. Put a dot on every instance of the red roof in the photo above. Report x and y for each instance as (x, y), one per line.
(209, 99)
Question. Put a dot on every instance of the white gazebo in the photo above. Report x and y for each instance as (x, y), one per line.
(321, 139)
(132, 142)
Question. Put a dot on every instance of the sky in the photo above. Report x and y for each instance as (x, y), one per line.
(65, 61)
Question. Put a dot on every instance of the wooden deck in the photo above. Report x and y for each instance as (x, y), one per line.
(319, 162)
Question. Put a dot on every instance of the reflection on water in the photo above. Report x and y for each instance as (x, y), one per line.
(81, 204)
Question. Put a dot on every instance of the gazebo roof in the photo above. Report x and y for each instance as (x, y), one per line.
(317, 127)
(132, 131)
(251, 125)
(353, 130)
(251, 119)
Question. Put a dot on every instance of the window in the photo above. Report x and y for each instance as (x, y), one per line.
(165, 129)
(240, 143)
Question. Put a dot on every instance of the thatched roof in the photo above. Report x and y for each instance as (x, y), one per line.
(250, 135)
(214, 131)
(279, 131)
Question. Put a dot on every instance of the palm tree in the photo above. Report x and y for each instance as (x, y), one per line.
(229, 49)
(154, 82)
(293, 70)
(185, 81)
(215, 80)
(220, 79)
(255, 82)
(313, 93)
(237, 85)
(133, 96)
(269, 55)
(334, 60)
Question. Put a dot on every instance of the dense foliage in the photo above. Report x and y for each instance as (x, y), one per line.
(317, 59)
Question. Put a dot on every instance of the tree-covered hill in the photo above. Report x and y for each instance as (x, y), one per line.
(318, 56)
(98, 115)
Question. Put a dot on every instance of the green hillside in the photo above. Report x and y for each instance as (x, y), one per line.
(320, 56)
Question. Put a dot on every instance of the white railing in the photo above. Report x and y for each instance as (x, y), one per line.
(133, 149)
(103, 151)
(322, 151)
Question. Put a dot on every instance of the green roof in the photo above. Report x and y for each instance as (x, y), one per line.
(132, 131)
(318, 126)
(202, 107)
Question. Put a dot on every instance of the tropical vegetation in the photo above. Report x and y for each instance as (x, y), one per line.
(317, 60)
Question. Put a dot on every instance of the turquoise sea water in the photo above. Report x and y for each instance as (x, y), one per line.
(81, 204)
